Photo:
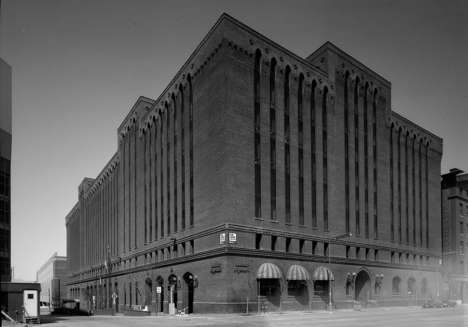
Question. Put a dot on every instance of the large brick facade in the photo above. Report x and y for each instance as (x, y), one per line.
(122, 217)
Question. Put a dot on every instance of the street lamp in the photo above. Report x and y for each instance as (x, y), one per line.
(329, 265)
(437, 272)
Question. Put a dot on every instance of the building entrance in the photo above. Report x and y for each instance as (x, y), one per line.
(362, 288)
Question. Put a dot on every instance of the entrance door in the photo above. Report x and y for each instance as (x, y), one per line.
(30, 300)
(362, 287)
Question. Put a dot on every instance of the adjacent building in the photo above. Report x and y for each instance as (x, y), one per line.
(53, 277)
(5, 168)
(242, 182)
(12, 293)
(455, 234)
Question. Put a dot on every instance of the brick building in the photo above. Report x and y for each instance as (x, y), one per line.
(53, 277)
(233, 185)
(455, 234)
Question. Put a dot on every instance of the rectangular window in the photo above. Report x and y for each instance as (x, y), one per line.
(461, 227)
(301, 246)
(258, 241)
(192, 246)
(461, 247)
(325, 248)
(348, 248)
(314, 247)
(358, 253)
(273, 243)
(288, 244)
(461, 210)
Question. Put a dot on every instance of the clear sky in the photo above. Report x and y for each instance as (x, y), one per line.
(80, 65)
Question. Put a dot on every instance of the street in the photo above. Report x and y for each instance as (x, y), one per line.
(401, 317)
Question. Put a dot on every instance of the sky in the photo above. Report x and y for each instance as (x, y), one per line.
(80, 65)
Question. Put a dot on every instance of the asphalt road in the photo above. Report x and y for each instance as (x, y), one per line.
(400, 317)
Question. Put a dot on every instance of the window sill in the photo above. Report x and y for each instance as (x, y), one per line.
(314, 228)
(257, 218)
(288, 224)
(301, 226)
(274, 221)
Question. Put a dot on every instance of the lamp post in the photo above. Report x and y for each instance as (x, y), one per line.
(437, 272)
(329, 266)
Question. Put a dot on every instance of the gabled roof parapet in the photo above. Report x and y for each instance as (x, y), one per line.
(105, 173)
(328, 46)
(72, 213)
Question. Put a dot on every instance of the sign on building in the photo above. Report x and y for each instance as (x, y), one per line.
(232, 238)
(222, 238)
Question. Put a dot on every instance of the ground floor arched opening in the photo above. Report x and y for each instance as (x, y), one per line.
(363, 288)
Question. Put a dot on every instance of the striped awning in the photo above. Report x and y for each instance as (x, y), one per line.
(268, 271)
(297, 272)
(321, 273)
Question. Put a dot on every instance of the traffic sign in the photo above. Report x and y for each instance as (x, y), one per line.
(158, 289)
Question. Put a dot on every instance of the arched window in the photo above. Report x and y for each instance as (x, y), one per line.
(189, 80)
(411, 286)
(346, 145)
(348, 288)
(161, 179)
(273, 140)
(407, 186)
(182, 150)
(257, 141)
(325, 158)
(420, 194)
(313, 160)
(130, 293)
(374, 160)
(300, 143)
(414, 188)
(366, 165)
(168, 171)
(174, 103)
(137, 293)
(396, 285)
(287, 137)
(427, 194)
(399, 185)
(423, 286)
(356, 156)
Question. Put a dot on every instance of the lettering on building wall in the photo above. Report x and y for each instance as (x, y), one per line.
(242, 268)
(216, 267)
(222, 238)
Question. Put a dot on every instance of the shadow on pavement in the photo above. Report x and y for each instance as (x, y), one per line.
(50, 319)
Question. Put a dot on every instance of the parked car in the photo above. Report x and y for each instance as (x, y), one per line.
(438, 304)
(428, 304)
(448, 303)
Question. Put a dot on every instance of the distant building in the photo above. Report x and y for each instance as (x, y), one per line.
(53, 277)
(455, 234)
(238, 178)
(12, 293)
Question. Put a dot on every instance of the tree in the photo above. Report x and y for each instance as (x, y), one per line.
(249, 284)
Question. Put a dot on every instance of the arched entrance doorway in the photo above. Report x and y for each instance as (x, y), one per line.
(116, 291)
(160, 296)
(362, 287)
(148, 292)
(187, 290)
(173, 288)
